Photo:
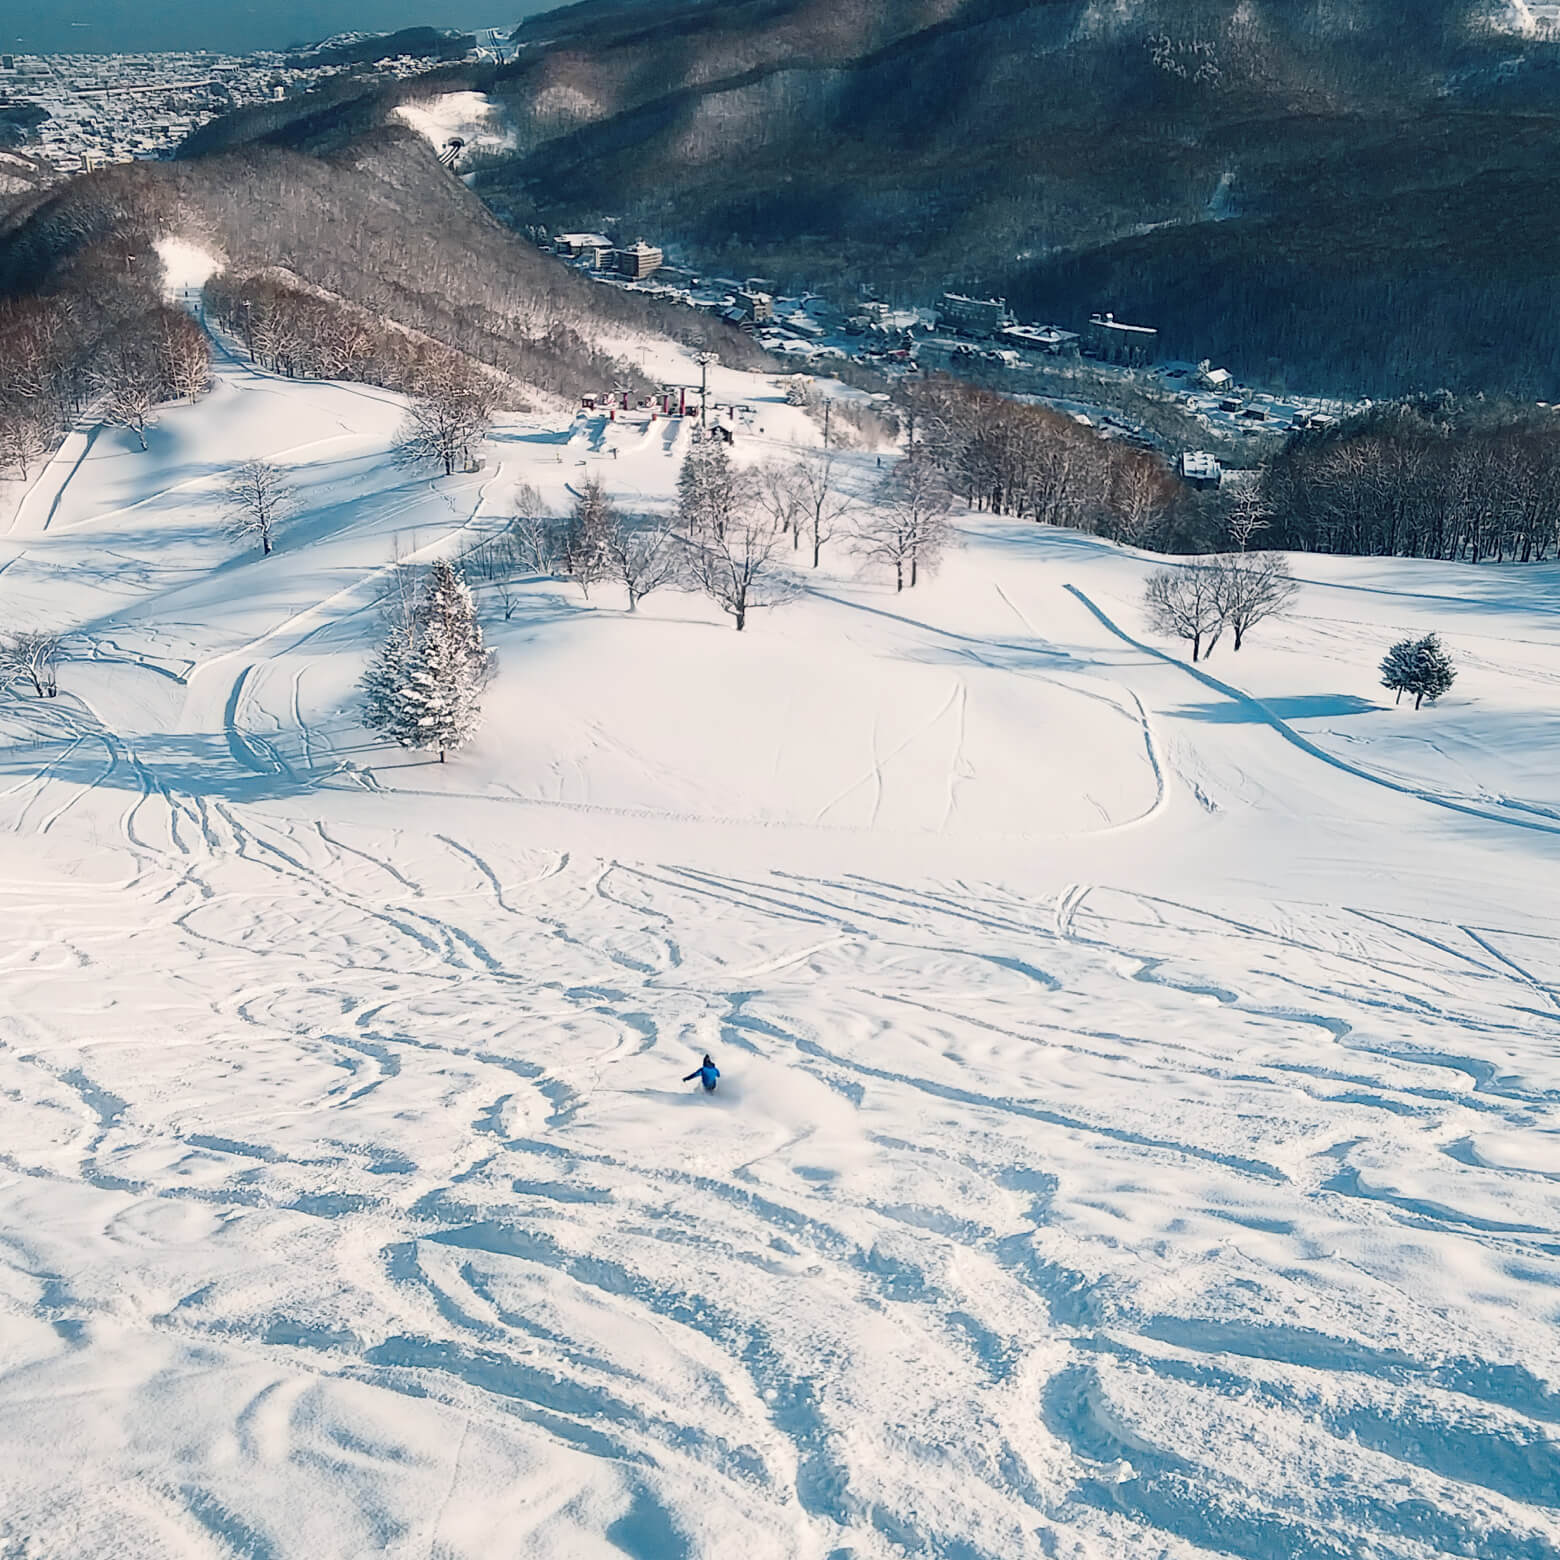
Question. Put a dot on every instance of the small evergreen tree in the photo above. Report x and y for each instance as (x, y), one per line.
(423, 689)
(1421, 667)
(385, 707)
(1397, 668)
(710, 491)
(1434, 672)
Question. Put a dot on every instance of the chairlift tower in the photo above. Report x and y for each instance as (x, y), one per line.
(704, 360)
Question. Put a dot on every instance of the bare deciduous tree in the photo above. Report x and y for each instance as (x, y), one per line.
(1251, 587)
(820, 504)
(1185, 603)
(447, 421)
(259, 499)
(738, 564)
(644, 554)
(1141, 494)
(272, 333)
(774, 491)
(345, 343)
(127, 375)
(907, 528)
(24, 437)
(34, 656)
(186, 355)
(1248, 515)
(532, 541)
(527, 545)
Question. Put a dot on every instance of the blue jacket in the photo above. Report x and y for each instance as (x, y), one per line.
(707, 1073)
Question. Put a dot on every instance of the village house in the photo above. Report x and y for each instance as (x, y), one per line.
(1201, 469)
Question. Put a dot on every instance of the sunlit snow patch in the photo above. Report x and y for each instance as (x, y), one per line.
(186, 266)
(471, 116)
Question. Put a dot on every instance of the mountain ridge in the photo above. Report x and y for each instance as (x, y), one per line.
(1022, 148)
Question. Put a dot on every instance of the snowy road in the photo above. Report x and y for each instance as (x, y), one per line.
(1139, 1131)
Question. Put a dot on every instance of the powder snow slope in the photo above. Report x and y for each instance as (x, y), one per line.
(1139, 1129)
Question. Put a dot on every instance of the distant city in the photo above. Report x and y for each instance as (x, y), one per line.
(107, 108)
(174, 26)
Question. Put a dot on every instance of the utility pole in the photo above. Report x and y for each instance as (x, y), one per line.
(249, 327)
(828, 406)
(704, 360)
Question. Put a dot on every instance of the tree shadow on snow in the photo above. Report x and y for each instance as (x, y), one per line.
(241, 767)
(1299, 706)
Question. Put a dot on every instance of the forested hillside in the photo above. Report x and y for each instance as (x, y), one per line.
(369, 262)
(1320, 195)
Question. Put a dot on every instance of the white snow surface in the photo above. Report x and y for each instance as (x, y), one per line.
(473, 116)
(187, 267)
(1139, 1128)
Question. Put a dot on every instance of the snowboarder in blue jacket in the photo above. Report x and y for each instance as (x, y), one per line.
(706, 1072)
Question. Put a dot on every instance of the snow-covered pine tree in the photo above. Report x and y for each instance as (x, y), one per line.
(710, 493)
(386, 708)
(1433, 670)
(451, 666)
(424, 688)
(1420, 667)
(1397, 668)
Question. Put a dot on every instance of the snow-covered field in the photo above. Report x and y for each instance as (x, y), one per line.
(1140, 1122)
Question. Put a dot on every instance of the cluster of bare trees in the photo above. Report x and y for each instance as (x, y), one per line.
(907, 529)
(448, 419)
(155, 357)
(733, 540)
(355, 266)
(595, 541)
(309, 335)
(116, 351)
(1198, 601)
(1030, 461)
(735, 523)
(804, 497)
(845, 422)
(1431, 477)
(388, 259)
(733, 535)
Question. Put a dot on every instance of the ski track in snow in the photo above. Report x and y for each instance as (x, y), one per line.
(900, 1199)
(1063, 1196)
